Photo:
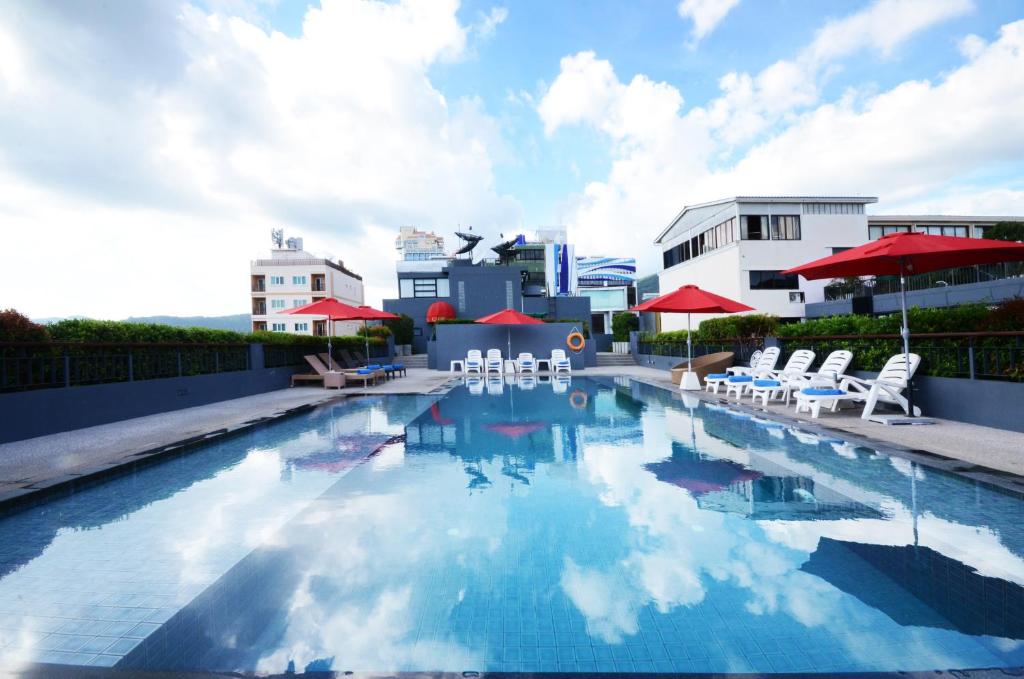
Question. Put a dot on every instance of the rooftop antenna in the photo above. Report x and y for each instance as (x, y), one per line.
(277, 236)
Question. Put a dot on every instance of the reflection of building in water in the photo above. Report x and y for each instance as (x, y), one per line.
(541, 421)
(917, 586)
(762, 490)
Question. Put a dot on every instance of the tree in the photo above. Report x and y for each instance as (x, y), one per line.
(1012, 231)
(15, 327)
(622, 324)
(401, 328)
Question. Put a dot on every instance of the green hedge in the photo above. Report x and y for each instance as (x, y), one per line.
(724, 329)
(964, 318)
(120, 332)
(622, 324)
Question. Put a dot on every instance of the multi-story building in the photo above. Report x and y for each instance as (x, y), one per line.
(292, 278)
(414, 244)
(738, 247)
(610, 283)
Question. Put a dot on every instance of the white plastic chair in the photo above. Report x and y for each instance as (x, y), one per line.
(887, 387)
(827, 376)
(772, 384)
(765, 366)
(526, 362)
(559, 362)
(494, 361)
(713, 380)
(474, 362)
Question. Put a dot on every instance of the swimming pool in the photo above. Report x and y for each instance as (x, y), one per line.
(569, 525)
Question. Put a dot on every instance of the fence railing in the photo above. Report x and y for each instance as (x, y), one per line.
(25, 366)
(971, 355)
(884, 285)
(743, 349)
(288, 355)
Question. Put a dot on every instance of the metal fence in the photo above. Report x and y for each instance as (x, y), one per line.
(289, 355)
(742, 349)
(883, 285)
(25, 366)
(971, 355)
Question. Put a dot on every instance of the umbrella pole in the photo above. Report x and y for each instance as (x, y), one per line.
(366, 339)
(330, 350)
(689, 344)
(509, 329)
(905, 332)
(689, 381)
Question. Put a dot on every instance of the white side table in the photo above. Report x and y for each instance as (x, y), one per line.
(510, 367)
(334, 380)
(546, 364)
(462, 366)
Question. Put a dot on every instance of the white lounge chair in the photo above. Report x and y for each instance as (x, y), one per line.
(559, 362)
(827, 377)
(474, 362)
(887, 387)
(713, 380)
(493, 362)
(527, 363)
(767, 386)
(745, 369)
(765, 366)
(475, 385)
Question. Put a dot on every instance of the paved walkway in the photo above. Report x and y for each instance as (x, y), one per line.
(34, 464)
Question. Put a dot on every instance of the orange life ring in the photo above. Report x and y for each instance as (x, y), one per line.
(575, 341)
(578, 399)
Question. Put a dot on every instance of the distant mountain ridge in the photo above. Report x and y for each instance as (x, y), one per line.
(236, 322)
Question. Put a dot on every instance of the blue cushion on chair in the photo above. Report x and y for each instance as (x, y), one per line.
(823, 392)
(767, 383)
(741, 378)
(398, 366)
(374, 366)
(717, 376)
(364, 371)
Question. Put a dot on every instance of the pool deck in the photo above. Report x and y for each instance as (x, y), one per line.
(50, 463)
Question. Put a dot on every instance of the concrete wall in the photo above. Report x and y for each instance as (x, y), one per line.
(455, 341)
(952, 295)
(47, 411)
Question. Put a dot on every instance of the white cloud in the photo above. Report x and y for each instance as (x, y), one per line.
(705, 14)
(901, 144)
(489, 22)
(187, 137)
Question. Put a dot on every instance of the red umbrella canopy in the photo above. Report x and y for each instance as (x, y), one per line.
(691, 299)
(509, 317)
(328, 306)
(919, 252)
(370, 314)
(440, 311)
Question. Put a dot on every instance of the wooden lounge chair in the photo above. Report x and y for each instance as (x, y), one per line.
(353, 374)
(705, 365)
(317, 376)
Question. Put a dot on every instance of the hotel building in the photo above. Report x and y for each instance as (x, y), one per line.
(738, 247)
(292, 278)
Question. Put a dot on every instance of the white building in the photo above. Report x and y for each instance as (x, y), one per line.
(936, 225)
(737, 247)
(414, 244)
(292, 278)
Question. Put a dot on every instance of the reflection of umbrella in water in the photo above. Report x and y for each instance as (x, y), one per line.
(515, 430)
(918, 586)
(435, 413)
(699, 475)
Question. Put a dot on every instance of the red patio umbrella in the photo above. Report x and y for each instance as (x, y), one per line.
(333, 310)
(690, 299)
(509, 317)
(903, 253)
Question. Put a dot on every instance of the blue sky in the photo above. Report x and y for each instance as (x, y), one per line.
(190, 128)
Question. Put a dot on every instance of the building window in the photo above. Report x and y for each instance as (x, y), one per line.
(754, 227)
(979, 230)
(785, 227)
(773, 280)
(943, 230)
(277, 327)
(529, 254)
(277, 280)
(876, 231)
(298, 280)
(277, 304)
(302, 327)
(296, 303)
(423, 287)
(707, 241)
(833, 208)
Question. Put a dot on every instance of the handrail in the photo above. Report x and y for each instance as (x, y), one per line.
(128, 345)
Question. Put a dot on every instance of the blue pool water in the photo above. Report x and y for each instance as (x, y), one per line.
(574, 526)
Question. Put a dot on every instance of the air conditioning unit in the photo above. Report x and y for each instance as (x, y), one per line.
(796, 297)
